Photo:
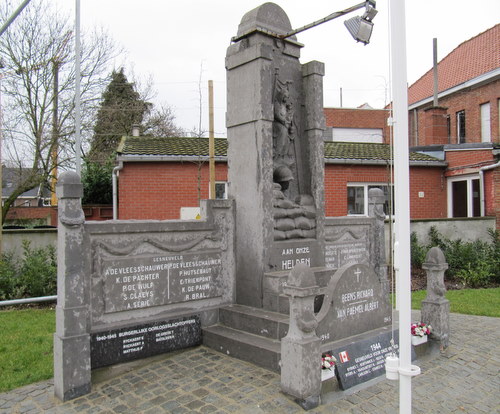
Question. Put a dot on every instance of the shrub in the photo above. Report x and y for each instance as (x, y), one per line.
(8, 276)
(38, 270)
(417, 251)
(475, 264)
(35, 274)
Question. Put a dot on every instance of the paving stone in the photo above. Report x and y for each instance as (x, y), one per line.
(462, 379)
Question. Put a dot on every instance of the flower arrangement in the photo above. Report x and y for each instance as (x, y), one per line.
(327, 361)
(420, 329)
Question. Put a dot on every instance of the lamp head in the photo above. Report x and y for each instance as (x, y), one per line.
(361, 27)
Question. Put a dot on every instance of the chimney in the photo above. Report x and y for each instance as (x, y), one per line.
(136, 130)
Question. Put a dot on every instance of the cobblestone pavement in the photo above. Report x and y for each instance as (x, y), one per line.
(463, 379)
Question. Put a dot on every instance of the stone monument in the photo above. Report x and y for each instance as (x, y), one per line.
(275, 132)
(132, 289)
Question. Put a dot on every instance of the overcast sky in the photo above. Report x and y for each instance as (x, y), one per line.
(179, 42)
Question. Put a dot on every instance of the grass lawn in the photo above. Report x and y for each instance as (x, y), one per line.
(25, 347)
(481, 302)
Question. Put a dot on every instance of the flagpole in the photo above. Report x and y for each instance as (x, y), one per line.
(402, 200)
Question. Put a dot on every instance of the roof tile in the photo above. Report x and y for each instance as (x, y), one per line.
(470, 59)
(195, 147)
(171, 146)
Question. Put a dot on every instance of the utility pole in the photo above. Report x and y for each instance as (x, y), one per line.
(435, 70)
(1, 167)
(211, 138)
(78, 75)
(55, 133)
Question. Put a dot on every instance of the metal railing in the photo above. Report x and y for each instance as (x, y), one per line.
(28, 300)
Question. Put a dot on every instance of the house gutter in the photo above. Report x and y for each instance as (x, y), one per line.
(114, 176)
(481, 184)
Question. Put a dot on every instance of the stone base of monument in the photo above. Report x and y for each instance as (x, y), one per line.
(250, 334)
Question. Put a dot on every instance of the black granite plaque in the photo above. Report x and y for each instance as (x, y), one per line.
(364, 360)
(145, 281)
(140, 341)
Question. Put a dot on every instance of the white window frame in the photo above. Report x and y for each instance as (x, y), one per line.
(485, 115)
(225, 189)
(366, 187)
(470, 199)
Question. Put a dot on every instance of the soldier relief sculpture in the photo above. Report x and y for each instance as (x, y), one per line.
(294, 217)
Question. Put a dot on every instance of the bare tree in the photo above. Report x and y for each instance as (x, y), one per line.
(159, 122)
(37, 52)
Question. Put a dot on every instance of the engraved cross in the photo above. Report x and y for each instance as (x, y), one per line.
(357, 273)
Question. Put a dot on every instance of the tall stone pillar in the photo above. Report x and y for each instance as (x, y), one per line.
(275, 154)
(72, 338)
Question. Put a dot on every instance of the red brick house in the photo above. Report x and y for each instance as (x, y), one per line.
(454, 154)
(463, 129)
(159, 176)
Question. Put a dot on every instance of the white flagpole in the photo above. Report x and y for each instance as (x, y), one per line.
(402, 198)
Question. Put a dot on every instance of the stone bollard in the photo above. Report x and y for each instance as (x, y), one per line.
(72, 338)
(435, 307)
(300, 348)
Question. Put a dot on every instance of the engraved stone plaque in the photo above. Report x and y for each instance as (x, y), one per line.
(145, 281)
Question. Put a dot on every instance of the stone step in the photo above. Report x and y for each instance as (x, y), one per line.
(256, 321)
(273, 298)
(256, 349)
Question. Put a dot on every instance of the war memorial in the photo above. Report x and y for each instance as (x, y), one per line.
(264, 276)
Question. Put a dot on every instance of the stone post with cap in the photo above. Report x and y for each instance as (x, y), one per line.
(435, 307)
(72, 376)
(300, 348)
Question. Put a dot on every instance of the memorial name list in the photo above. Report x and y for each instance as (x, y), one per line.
(145, 281)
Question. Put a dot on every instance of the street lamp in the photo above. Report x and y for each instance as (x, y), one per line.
(360, 27)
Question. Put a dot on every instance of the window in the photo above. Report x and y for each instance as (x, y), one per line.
(357, 198)
(461, 127)
(485, 123)
(220, 190)
(464, 197)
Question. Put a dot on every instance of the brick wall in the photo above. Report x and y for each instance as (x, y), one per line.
(27, 214)
(428, 181)
(468, 101)
(436, 126)
(467, 161)
(158, 190)
(358, 118)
